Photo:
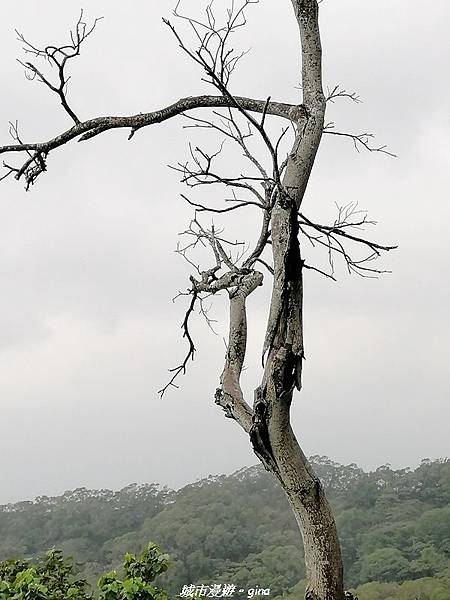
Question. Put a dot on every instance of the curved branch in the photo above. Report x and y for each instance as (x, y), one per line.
(229, 396)
(92, 127)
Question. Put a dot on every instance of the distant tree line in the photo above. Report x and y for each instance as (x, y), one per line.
(394, 527)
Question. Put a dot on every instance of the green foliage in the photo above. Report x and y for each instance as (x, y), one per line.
(50, 578)
(385, 564)
(394, 527)
(420, 589)
(434, 527)
(53, 578)
(138, 573)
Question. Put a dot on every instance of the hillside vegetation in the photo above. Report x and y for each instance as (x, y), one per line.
(394, 527)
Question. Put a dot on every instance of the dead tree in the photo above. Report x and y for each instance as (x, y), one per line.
(274, 186)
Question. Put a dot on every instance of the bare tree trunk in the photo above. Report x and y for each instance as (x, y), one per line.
(314, 517)
(271, 434)
(268, 424)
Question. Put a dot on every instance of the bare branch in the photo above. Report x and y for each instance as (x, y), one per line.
(203, 174)
(324, 273)
(263, 262)
(217, 68)
(213, 39)
(359, 140)
(92, 127)
(261, 243)
(229, 395)
(181, 369)
(330, 237)
(202, 208)
(58, 57)
(338, 92)
(230, 128)
(204, 311)
(338, 229)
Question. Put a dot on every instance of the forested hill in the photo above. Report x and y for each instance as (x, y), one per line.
(394, 526)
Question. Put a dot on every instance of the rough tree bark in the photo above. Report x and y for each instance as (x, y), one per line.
(271, 434)
(267, 421)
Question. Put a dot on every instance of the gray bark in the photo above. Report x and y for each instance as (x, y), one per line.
(271, 433)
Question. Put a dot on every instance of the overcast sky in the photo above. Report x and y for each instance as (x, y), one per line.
(88, 269)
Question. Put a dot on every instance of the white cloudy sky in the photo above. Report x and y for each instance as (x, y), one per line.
(87, 326)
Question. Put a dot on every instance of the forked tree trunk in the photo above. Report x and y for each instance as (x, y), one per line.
(269, 423)
(279, 449)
